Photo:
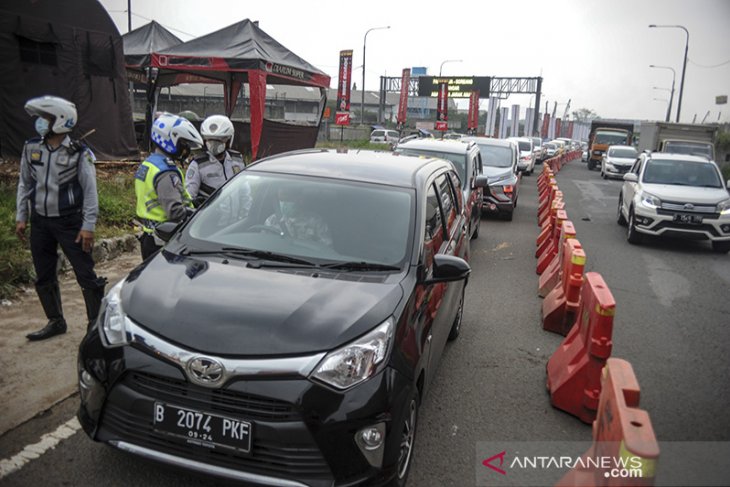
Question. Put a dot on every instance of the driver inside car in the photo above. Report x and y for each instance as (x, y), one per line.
(293, 218)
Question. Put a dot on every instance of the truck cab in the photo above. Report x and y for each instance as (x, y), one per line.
(603, 138)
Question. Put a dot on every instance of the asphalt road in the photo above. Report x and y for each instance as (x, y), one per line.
(671, 323)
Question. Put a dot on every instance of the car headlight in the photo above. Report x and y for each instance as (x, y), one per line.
(358, 360)
(650, 201)
(114, 323)
(723, 207)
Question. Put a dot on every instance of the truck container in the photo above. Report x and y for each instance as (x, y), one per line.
(681, 138)
(604, 134)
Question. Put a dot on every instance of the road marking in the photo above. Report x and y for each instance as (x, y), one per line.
(31, 452)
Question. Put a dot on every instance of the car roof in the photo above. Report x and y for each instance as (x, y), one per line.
(621, 147)
(379, 167)
(491, 141)
(670, 156)
(460, 146)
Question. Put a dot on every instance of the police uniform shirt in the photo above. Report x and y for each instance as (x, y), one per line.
(206, 173)
(57, 182)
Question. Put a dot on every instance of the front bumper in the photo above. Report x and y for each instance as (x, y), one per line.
(661, 222)
(303, 433)
(496, 201)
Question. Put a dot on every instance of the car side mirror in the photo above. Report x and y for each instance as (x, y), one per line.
(166, 230)
(727, 184)
(631, 177)
(448, 268)
(481, 181)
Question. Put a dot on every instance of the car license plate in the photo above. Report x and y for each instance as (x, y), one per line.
(685, 218)
(201, 428)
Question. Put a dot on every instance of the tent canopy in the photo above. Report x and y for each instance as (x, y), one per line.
(140, 43)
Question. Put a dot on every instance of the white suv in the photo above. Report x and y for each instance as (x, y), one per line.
(676, 195)
(384, 136)
(526, 163)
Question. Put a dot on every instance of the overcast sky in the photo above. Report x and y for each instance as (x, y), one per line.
(595, 53)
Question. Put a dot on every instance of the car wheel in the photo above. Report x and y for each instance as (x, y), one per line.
(619, 215)
(407, 441)
(475, 235)
(721, 247)
(456, 326)
(631, 234)
(591, 164)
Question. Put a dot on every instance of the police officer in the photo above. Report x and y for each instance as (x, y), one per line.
(58, 182)
(159, 184)
(218, 164)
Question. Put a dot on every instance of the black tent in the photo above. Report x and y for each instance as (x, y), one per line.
(243, 53)
(139, 45)
(70, 49)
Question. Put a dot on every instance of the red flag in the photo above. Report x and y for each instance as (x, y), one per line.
(442, 108)
(473, 120)
(403, 102)
(343, 88)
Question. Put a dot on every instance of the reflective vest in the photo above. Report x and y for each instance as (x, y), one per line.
(148, 206)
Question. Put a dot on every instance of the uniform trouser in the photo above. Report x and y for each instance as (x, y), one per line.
(46, 234)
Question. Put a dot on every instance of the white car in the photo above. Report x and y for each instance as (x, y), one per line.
(526, 163)
(675, 195)
(384, 136)
(617, 161)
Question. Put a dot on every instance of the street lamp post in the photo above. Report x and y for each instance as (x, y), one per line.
(671, 96)
(449, 61)
(684, 65)
(362, 88)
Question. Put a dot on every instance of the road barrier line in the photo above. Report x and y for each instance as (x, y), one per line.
(34, 451)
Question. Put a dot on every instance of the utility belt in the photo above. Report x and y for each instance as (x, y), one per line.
(64, 214)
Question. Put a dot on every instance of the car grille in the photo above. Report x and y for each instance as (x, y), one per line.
(694, 229)
(224, 401)
(675, 206)
(281, 459)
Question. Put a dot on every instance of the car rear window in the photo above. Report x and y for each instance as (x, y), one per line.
(688, 148)
(458, 160)
(524, 146)
(495, 155)
(682, 173)
(624, 153)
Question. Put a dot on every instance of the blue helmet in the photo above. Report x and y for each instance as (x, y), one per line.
(175, 135)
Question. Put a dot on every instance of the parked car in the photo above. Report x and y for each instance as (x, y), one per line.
(675, 195)
(560, 144)
(617, 161)
(526, 162)
(468, 163)
(384, 136)
(584, 148)
(500, 159)
(538, 149)
(568, 143)
(265, 353)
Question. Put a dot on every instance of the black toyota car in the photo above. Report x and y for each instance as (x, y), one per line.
(287, 332)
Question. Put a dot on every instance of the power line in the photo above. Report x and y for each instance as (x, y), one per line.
(713, 66)
(150, 20)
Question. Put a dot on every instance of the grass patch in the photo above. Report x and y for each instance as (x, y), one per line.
(116, 210)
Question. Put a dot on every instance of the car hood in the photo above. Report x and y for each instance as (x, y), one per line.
(495, 173)
(621, 161)
(687, 194)
(230, 309)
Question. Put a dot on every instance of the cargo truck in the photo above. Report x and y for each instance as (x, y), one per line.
(679, 138)
(604, 134)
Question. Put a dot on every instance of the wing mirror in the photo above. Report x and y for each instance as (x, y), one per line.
(481, 181)
(166, 230)
(631, 177)
(448, 268)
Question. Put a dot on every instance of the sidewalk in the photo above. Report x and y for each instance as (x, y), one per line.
(36, 375)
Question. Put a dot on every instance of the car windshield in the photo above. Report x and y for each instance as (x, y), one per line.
(317, 219)
(610, 138)
(550, 146)
(524, 146)
(688, 148)
(624, 153)
(458, 160)
(683, 173)
(496, 155)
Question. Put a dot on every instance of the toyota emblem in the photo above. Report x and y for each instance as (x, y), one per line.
(689, 206)
(205, 371)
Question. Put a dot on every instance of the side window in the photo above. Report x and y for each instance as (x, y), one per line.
(448, 201)
(636, 167)
(434, 231)
(456, 186)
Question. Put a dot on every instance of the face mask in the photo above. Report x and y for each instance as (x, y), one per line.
(42, 126)
(216, 147)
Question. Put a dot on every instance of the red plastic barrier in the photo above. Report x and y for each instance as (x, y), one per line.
(551, 277)
(560, 307)
(621, 431)
(548, 228)
(550, 249)
(546, 195)
(544, 178)
(573, 371)
(544, 215)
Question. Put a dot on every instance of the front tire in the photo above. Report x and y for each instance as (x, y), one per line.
(407, 440)
(631, 234)
(591, 164)
(619, 215)
(721, 247)
(456, 326)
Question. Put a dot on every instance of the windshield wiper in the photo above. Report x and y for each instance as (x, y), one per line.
(360, 266)
(243, 252)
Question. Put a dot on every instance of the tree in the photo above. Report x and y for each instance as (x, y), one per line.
(584, 115)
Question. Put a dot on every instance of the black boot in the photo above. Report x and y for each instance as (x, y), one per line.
(50, 297)
(92, 298)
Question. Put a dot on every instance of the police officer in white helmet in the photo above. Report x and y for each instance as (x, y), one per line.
(57, 194)
(218, 164)
(159, 183)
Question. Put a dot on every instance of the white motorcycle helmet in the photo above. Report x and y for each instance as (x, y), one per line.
(61, 112)
(217, 131)
(175, 135)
